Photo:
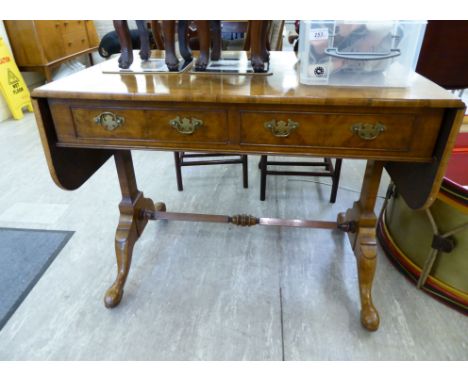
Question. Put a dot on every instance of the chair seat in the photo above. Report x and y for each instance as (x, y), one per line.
(328, 171)
(182, 158)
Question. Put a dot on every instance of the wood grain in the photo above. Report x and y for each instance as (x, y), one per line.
(420, 125)
(280, 88)
(40, 45)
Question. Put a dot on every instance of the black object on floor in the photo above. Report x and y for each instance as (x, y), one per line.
(25, 254)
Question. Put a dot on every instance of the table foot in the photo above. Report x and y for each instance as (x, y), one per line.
(113, 296)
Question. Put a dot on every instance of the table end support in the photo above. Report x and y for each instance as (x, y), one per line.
(363, 241)
(131, 225)
(132, 222)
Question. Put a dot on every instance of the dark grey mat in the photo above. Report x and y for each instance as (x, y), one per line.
(25, 254)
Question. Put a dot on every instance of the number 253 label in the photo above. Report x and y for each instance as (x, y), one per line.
(319, 34)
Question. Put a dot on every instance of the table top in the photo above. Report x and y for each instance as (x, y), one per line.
(282, 87)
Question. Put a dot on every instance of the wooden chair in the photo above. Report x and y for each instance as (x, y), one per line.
(181, 158)
(328, 171)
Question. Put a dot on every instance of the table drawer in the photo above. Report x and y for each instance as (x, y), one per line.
(74, 43)
(360, 131)
(77, 27)
(153, 124)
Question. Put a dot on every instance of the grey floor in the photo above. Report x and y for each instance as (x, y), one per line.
(206, 291)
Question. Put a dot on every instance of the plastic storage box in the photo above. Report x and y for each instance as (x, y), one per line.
(354, 53)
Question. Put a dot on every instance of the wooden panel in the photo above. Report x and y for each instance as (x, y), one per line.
(419, 183)
(69, 168)
(93, 38)
(281, 88)
(24, 42)
(414, 117)
(74, 42)
(77, 27)
(443, 58)
(151, 124)
(405, 133)
(226, 130)
(75, 36)
(50, 37)
(40, 43)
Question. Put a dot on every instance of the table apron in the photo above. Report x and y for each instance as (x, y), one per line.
(389, 134)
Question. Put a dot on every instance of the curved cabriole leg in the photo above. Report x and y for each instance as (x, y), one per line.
(145, 50)
(363, 241)
(172, 61)
(204, 37)
(131, 224)
(182, 34)
(366, 257)
(157, 34)
(126, 52)
(266, 25)
(125, 239)
(215, 32)
(256, 49)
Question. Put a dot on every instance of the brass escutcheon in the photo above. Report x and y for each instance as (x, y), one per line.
(281, 128)
(109, 121)
(368, 131)
(186, 125)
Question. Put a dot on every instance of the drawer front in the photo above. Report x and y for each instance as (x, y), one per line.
(373, 132)
(77, 27)
(74, 43)
(164, 125)
(50, 35)
(75, 38)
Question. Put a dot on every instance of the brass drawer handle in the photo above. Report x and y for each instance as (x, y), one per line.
(109, 121)
(368, 131)
(186, 125)
(281, 128)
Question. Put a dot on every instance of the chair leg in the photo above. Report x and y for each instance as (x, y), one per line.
(245, 171)
(335, 180)
(178, 169)
(263, 170)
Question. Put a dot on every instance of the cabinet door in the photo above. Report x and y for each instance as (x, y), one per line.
(50, 36)
(24, 41)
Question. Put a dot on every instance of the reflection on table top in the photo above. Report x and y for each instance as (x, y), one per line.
(282, 87)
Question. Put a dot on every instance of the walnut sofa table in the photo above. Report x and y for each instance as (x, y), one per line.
(88, 117)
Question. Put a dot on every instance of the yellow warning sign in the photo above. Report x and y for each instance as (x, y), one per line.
(12, 85)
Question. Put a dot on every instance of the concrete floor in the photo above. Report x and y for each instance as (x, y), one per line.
(206, 291)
